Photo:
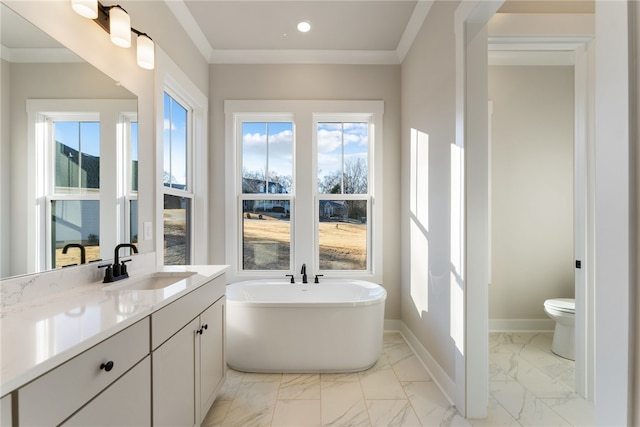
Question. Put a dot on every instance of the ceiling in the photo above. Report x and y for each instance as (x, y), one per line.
(356, 31)
(264, 31)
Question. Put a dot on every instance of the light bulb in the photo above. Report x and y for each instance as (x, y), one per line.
(120, 26)
(304, 26)
(86, 8)
(145, 52)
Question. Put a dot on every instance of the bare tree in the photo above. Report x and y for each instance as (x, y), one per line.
(354, 179)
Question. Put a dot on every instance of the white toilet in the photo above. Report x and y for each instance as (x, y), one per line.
(563, 312)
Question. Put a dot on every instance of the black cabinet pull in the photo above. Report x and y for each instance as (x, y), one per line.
(205, 326)
(107, 366)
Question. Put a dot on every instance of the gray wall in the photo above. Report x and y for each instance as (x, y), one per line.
(532, 189)
(428, 106)
(311, 82)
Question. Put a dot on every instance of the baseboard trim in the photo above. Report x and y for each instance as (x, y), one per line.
(440, 377)
(514, 325)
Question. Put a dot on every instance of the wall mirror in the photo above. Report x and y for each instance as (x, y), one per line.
(68, 154)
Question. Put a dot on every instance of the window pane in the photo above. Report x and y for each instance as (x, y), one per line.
(342, 234)
(343, 151)
(133, 221)
(77, 156)
(177, 230)
(134, 156)
(175, 144)
(74, 221)
(266, 234)
(280, 165)
(267, 157)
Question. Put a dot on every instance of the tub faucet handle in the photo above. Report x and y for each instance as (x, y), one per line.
(290, 275)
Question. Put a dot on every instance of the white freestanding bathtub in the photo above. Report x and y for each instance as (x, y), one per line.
(333, 326)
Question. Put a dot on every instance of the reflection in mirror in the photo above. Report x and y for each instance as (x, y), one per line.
(53, 187)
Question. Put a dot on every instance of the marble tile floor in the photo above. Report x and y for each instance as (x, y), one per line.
(398, 391)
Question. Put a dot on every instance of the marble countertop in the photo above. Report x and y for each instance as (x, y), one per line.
(41, 333)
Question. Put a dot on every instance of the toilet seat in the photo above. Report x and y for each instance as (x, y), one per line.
(565, 305)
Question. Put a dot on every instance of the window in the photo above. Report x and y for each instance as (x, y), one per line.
(301, 188)
(75, 196)
(131, 177)
(343, 197)
(178, 195)
(73, 202)
(267, 183)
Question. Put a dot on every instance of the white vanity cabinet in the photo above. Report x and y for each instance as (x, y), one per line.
(187, 340)
(212, 361)
(53, 397)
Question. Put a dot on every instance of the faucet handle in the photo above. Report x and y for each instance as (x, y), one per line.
(292, 279)
(316, 279)
(123, 267)
(108, 273)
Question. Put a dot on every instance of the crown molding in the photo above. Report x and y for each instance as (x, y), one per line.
(290, 56)
(38, 55)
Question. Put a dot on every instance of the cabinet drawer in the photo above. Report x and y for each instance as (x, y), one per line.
(127, 402)
(57, 394)
(170, 319)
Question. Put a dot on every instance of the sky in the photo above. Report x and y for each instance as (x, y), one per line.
(81, 136)
(175, 140)
(332, 139)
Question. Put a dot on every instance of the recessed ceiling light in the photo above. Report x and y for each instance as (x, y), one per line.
(304, 26)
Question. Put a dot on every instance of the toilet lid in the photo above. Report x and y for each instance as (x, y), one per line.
(562, 304)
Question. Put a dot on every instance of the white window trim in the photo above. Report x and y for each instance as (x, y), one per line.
(305, 188)
(127, 192)
(170, 78)
(38, 168)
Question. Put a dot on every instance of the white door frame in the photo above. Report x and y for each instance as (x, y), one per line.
(471, 311)
(577, 52)
(613, 228)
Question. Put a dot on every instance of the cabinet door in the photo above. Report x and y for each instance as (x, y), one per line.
(174, 379)
(5, 411)
(127, 402)
(212, 369)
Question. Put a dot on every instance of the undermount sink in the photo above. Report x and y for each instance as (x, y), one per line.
(153, 281)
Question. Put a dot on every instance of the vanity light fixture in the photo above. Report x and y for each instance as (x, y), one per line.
(116, 22)
(86, 8)
(145, 49)
(120, 26)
